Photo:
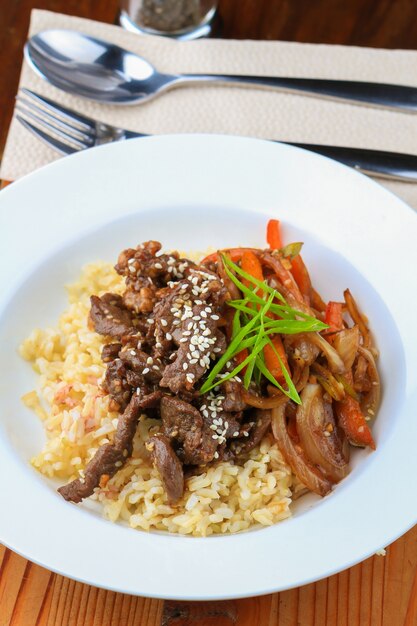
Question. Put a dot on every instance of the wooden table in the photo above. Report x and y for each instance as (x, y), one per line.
(381, 591)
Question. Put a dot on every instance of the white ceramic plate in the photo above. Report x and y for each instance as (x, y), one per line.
(192, 192)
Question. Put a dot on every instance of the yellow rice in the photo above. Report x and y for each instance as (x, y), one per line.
(226, 498)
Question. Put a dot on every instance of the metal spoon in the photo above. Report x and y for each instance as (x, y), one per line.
(99, 70)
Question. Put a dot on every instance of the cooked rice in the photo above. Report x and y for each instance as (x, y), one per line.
(226, 498)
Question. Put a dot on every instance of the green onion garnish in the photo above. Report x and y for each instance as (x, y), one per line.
(252, 329)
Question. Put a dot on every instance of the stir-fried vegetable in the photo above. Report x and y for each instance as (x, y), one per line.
(312, 363)
(273, 234)
(296, 458)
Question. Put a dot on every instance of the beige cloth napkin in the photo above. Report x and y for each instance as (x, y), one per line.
(232, 110)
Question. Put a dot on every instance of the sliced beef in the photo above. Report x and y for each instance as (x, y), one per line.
(142, 364)
(117, 385)
(146, 273)
(184, 424)
(110, 352)
(109, 316)
(261, 423)
(110, 457)
(193, 358)
(233, 400)
(168, 465)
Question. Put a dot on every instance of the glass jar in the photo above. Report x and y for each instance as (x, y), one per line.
(181, 19)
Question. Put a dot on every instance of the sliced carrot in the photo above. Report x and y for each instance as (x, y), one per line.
(251, 265)
(234, 253)
(353, 423)
(240, 357)
(301, 277)
(272, 361)
(333, 316)
(273, 234)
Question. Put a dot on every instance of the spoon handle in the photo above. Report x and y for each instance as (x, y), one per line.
(375, 94)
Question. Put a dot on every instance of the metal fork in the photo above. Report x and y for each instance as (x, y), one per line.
(67, 131)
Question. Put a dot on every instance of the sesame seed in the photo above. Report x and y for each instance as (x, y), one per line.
(202, 407)
(183, 339)
(202, 362)
(205, 413)
(215, 436)
(215, 317)
(168, 336)
(155, 367)
(236, 434)
(146, 370)
(193, 361)
(150, 320)
(190, 378)
(149, 360)
(185, 366)
(203, 314)
(158, 266)
(216, 455)
(164, 322)
(133, 352)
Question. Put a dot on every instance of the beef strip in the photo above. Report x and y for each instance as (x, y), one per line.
(117, 385)
(233, 400)
(146, 273)
(190, 431)
(168, 465)
(189, 318)
(110, 457)
(242, 447)
(109, 316)
(110, 352)
(141, 363)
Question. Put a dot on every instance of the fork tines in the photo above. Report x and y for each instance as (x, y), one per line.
(59, 127)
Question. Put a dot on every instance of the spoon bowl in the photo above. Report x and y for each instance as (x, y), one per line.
(93, 68)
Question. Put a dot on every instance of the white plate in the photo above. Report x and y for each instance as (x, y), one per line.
(192, 192)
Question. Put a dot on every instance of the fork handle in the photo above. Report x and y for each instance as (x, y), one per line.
(379, 163)
(360, 92)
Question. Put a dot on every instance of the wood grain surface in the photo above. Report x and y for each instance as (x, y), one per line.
(381, 591)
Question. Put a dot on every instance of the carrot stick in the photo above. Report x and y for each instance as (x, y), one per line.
(301, 277)
(234, 253)
(333, 316)
(271, 359)
(352, 421)
(273, 234)
(251, 265)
